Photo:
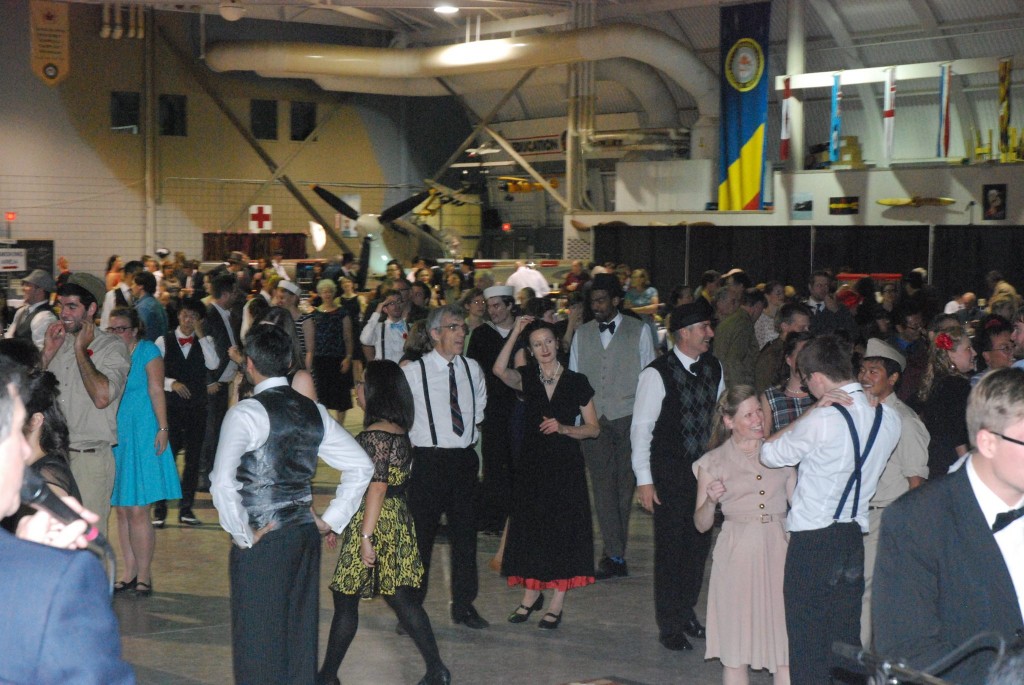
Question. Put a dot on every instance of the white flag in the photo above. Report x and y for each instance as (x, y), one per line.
(889, 111)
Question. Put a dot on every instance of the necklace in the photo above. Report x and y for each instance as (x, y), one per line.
(549, 380)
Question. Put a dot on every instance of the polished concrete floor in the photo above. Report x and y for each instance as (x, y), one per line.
(180, 635)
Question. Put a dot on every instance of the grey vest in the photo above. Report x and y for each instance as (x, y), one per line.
(614, 371)
(24, 327)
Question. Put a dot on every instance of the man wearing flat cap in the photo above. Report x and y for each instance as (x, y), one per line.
(675, 402)
(92, 366)
(611, 351)
(35, 316)
(880, 372)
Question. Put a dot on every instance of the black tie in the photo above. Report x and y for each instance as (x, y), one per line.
(453, 399)
(610, 327)
(1006, 518)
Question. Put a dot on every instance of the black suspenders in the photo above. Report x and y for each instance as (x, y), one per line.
(858, 459)
(430, 411)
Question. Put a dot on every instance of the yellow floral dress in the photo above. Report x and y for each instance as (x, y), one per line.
(394, 540)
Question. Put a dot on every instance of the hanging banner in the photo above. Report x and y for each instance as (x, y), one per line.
(787, 95)
(51, 40)
(837, 119)
(945, 81)
(1005, 71)
(889, 112)
(744, 88)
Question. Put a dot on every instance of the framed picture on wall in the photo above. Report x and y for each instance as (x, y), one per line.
(993, 201)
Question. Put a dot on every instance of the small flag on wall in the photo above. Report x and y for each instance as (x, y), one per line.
(784, 144)
(945, 80)
(837, 119)
(889, 111)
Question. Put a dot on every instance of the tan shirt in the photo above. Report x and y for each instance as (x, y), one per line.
(88, 426)
(909, 458)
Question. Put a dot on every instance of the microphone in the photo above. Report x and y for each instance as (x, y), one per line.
(35, 492)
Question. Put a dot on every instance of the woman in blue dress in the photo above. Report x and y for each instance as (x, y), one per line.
(144, 466)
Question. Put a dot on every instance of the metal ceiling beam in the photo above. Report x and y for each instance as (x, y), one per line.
(527, 167)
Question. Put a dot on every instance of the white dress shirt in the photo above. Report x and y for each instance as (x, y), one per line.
(820, 442)
(247, 427)
(1009, 539)
(645, 348)
(650, 392)
(210, 356)
(110, 303)
(394, 337)
(39, 324)
(525, 277)
(437, 385)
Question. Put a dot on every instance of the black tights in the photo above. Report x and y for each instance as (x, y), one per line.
(406, 605)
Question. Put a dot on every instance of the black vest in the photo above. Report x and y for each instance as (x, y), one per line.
(189, 370)
(682, 430)
(276, 477)
(24, 328)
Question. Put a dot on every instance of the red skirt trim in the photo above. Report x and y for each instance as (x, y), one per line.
(561, 584)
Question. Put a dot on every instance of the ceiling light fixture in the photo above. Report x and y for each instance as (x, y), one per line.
(231, 10)
(446, 9)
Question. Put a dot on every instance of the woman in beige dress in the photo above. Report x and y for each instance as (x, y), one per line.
(746, 625)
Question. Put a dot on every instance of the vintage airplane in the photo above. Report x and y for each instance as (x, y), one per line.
(518, 184)
(441, 195)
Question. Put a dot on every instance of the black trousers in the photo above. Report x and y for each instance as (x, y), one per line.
(185, 434)
(680, 551)
(495, 492)
(444, 481)
(216, 408)
(823, 586)
(275, 607)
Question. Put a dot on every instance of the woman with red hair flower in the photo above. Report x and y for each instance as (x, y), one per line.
(943, 394)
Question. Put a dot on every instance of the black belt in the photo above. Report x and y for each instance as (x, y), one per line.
(91, 450)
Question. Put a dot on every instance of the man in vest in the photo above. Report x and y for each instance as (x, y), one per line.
(121, 296)
(261, 487)
(35, 316)
(450, 396)
(495, 436)
(189, 358)
(675, 402)
(611, 351)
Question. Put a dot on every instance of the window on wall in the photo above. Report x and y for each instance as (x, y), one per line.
(124, 112)
(263, 119)
(303, 119)
(173, 115)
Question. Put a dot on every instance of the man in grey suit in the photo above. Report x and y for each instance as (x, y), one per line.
(611, 351)
(951, 554)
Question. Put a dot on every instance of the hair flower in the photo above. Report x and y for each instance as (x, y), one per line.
(944, 342)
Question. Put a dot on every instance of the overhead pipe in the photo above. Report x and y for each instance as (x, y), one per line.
(536, 50)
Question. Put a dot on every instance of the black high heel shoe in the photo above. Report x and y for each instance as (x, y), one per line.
(441, 676)
(550, 625)
(516, 617)
(126, 585)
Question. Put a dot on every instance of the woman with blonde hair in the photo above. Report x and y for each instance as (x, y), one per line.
(943, 399)
(746, 624)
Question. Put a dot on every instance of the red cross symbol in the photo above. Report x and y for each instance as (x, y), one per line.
(260, 216)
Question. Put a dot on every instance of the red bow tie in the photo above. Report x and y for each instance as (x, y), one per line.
(186, 341)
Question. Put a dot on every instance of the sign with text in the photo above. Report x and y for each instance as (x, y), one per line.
(12, 259)
(51, 41)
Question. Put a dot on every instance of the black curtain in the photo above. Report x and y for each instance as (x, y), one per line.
(777, 253)
(964, 254)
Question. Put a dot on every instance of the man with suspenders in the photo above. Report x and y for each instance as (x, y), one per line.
(842, 446)
(450, 397)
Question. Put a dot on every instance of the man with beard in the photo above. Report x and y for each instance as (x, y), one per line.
(611, 351)
(495, 433)
(92, 367)
(675, 402)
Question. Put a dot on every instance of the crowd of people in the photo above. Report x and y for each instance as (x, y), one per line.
(858, 448)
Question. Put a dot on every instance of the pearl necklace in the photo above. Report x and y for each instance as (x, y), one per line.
(549, 380)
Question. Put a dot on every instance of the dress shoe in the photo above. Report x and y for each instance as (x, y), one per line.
(143, 589)
(125, 585)
(159, 522)
(693, 628)
(440, 676)
(609, 568)
(676, 643)
(468, 617)
(187, 518)
(516, 617)
(552, 623)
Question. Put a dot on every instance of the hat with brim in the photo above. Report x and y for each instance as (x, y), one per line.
(41, 279)
(84, 284)
(499, 291)
(291, 287)
(880, 348)
(236, 258)
(689, 314)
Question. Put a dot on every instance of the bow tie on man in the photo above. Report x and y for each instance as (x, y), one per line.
(610, 327)
(1006, 518)
(398, 325)
(186, 341)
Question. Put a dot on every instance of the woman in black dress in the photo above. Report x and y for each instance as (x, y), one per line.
(943, 394)
(332, 352)
(550, 540)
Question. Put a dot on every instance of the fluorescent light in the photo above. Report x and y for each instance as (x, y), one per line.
(446, 9)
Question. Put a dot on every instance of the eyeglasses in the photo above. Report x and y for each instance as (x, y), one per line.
(392, 303)
(119, 329)
(1007, 438)
(1005, 349)
(455, 327)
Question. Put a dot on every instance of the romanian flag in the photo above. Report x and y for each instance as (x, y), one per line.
(744, 62)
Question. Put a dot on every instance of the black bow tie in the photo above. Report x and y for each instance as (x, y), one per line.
(610, 327)
(1006, 518)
